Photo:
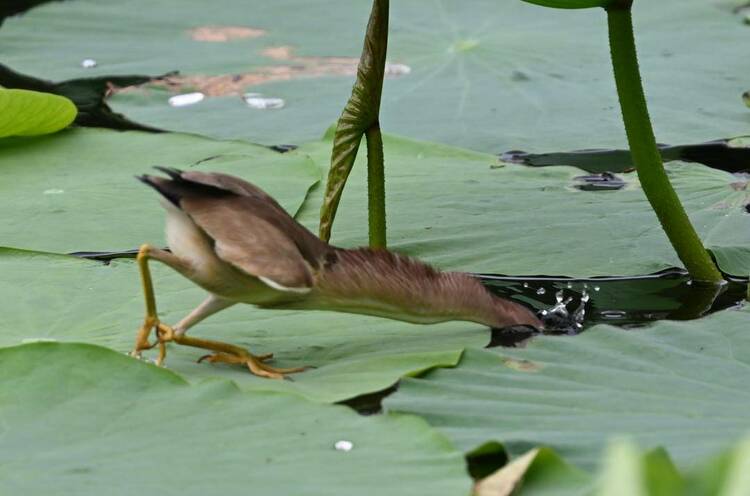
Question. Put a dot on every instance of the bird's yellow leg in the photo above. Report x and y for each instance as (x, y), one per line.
(227, 353)
(151, 320)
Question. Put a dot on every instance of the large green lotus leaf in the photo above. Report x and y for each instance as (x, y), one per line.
(465, 210)
(31, 113)
(497, 76)
(75, 190)
(677, 385)
(80, 419)
(64, 298)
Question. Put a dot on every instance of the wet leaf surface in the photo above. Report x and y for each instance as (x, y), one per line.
(76, 190)
(680, 386)
(80, 419)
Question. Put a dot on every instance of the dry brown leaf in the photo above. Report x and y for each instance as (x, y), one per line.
(507, 479)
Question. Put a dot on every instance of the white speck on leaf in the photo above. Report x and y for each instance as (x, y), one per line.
(258, 101)
(397, 69)
(343, 445)
(186, 99)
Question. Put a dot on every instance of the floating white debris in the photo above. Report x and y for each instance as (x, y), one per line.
(53, 191)
(38, 340)
(397, 69)
(258, 101)
(343, 445)
(186, 99)
(88, 63)
(597, 288)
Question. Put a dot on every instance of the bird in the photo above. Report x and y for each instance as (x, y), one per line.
(236, 242)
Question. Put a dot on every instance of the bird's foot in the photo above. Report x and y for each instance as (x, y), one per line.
(255, 364)
(141, 340)
(164, 334)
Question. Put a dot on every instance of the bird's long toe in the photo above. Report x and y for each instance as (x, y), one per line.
(254, 363)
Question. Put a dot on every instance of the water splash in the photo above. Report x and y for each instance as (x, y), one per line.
(88, 63)
(560, 319)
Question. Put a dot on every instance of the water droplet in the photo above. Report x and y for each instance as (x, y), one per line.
(569, 286)
(397, 69)
(258, 101)
(53, 191)
(541, 291)
(186, 99)
(526, 285)
(88, 63)
(343, 445)
(597, 288)
(559, 296)
(613, 314)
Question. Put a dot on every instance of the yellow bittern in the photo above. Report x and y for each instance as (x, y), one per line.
(236, 242)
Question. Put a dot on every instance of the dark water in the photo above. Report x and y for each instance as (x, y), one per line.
(622, 301)
(717, 154)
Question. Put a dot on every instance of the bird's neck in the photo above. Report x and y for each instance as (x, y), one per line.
(382, 283)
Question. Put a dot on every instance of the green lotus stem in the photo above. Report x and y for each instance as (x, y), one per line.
(361, 118)
(644, 151)
(375, 187)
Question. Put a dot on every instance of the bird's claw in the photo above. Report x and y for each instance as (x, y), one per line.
(255, 364)
(164, 334)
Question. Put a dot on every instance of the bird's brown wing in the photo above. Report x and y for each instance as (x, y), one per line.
(246, 236)
(229, 183)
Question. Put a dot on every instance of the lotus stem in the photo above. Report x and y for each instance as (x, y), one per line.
(375, 187)
(646, 157)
